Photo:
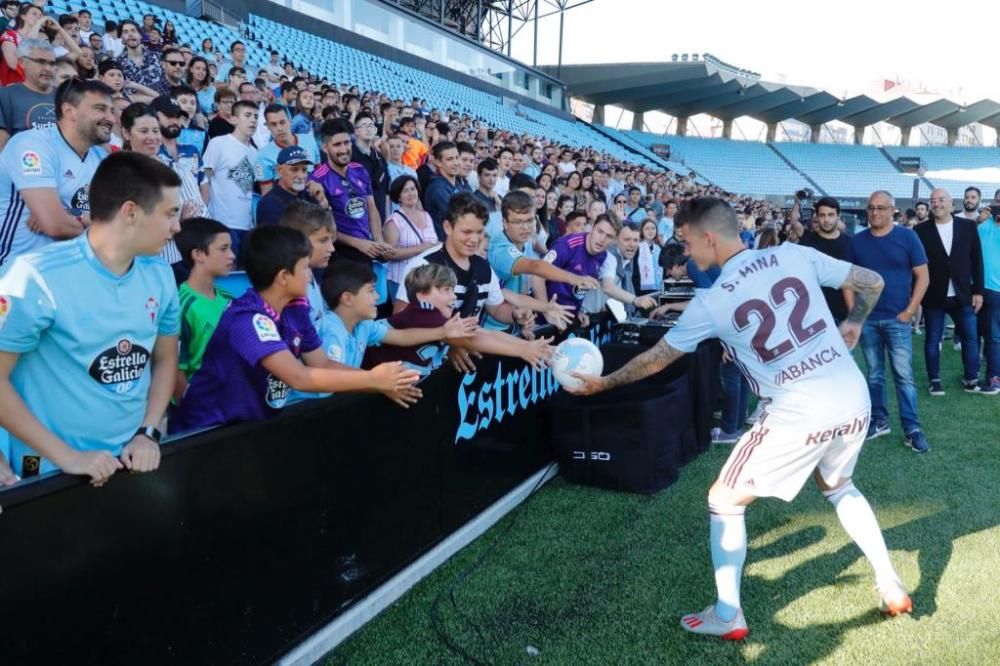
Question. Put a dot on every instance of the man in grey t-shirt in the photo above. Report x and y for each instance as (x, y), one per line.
(29, 105)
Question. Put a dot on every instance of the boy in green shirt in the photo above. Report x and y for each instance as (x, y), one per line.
(206, 249)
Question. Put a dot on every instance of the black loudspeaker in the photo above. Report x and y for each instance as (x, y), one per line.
(631, 438)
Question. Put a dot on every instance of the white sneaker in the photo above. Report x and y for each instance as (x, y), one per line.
(893, 599)
(707, 623)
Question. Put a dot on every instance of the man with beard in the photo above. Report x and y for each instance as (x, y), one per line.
(184, 159)
(29, 105)
(348, 190)
(45, 173)
(139, 64)
(826, 237)
(293, 165)
(970, 203)
(923, 212)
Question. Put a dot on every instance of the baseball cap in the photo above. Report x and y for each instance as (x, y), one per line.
(168, 106)
(293, 155)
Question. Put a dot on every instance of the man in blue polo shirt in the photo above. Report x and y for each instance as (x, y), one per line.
(83, 320)
(293, 183)
(897, 255)
(45, 173)
(989, 236)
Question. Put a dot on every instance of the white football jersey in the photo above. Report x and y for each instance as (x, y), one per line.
(768, 310)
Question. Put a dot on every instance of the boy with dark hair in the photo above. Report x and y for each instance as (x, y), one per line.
(265, 345)
(350, 327)
(206, 250)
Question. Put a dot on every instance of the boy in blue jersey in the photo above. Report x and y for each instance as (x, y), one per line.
(84, 319)
(316, 224)
(45, 173)
(206, 249)
(517, 266)
(265, 345)
(351, 326)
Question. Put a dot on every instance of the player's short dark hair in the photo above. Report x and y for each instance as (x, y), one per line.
(440, 147)
(269, 250)
(307, 217)
(333, 127)
(517, 201)
(72, 91)
(464, 203)
(610, 219)
(708, 212)
(274, 108)
(345, 277)
(128, 176)
(488, 164)
(574, 214)
(465, 147)
(827, 202)
(424, 278)
(396, 187)
(197, 233)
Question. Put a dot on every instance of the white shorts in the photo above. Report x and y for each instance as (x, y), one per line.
(776, 457)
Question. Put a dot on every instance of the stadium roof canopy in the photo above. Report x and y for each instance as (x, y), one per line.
(688, 87)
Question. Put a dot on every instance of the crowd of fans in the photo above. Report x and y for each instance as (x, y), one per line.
(380, 239)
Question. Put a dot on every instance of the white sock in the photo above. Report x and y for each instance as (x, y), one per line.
(729, 550)
(859, 522)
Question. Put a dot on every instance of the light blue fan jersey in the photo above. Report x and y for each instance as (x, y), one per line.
(503, 254)
(40, 158)
(85, 338)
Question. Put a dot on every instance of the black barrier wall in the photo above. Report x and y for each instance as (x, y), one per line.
(228, 554)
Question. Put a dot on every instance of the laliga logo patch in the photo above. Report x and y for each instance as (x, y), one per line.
(5, 306)
(265, 329)
(335, 353)
(31, 163)
(152, 306)
(513, 251)
(121, 366)
(550, 256)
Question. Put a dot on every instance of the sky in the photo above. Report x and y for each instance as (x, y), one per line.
(844, 47)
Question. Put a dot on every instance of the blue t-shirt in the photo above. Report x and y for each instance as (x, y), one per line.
(265, 170)
(348, 347)
(85, 338)
(702, 279)
(502, 255)
(894, 257)
(40, 158)
(989, 236)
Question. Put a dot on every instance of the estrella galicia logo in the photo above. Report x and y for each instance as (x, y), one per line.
(120, 368)
(80, 202)
(277, 392)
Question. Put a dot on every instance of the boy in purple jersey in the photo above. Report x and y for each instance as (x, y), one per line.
(349, 191)
(768, 310)
(265, 345)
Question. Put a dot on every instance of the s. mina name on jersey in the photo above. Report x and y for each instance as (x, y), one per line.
(762, 263)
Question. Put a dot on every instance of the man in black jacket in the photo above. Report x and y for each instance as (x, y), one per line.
(955, 264)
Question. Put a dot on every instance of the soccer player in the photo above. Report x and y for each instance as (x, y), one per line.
(767, 308)
(45, 173)
(82, 322)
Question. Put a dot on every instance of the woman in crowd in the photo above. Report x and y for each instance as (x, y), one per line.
(27, 25)
(768, 238)
(200, 80)
(169, 36)
(303, 121)
(409, 229)
(545, 181)
(564, 206)
(648, 259)
(86, 63)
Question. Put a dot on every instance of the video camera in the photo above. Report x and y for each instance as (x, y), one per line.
(804, 194)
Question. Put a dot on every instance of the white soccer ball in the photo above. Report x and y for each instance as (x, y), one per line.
(576, 355)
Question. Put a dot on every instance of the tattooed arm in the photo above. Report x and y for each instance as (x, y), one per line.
(866, 286)
(861, 289)
(645, 364)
